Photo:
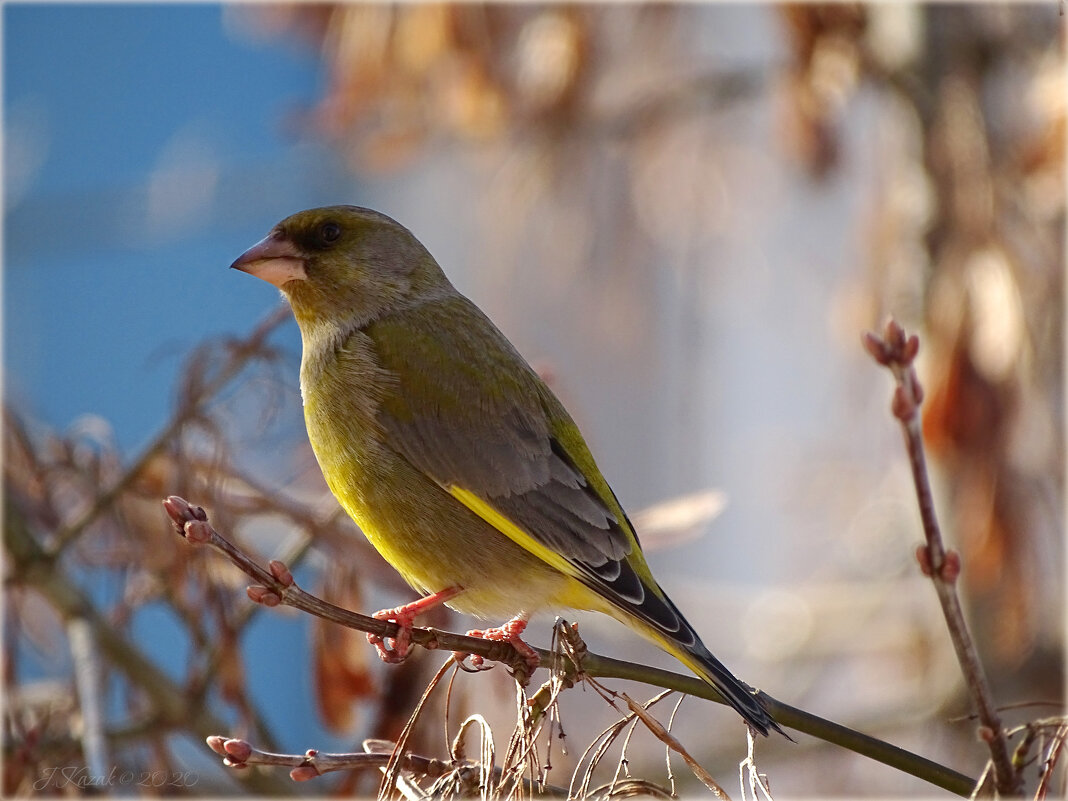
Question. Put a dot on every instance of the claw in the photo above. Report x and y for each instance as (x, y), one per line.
(401, 644)
(477, 662)
(510, 632)
(404, 616)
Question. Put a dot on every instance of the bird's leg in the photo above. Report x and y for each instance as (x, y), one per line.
(404, 616)
(509, 632)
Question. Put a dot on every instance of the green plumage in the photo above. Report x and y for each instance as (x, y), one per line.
(454, 457)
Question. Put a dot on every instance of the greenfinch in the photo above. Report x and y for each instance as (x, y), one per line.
(448, 450)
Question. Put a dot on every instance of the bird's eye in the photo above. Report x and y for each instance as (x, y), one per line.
(330, 232)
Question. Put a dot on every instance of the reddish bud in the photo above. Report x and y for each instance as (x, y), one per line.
(986, 734)
(951, 567)
(175, 508)
(894, 335)
(902, 406)
(198, 531)
(875, 347)
(181, 511)
(216, 743)
(262, 595)
(303, 773)
(923, 556)
(280, 572)
(912, 347)
(237, 750)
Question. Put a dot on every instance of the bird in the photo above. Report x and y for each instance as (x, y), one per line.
(449, 451)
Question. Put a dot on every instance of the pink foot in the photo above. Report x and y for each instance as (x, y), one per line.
(509, 632)
(404, 616)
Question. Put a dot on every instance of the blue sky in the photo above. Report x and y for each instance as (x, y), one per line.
(145, 148)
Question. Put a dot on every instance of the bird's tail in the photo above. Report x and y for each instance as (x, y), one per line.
(687, 647)
(735, 692)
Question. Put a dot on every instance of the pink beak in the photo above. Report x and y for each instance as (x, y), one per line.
(274, 259)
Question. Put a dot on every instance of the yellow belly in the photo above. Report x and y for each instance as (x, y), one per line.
(429, 536)
(436, 542)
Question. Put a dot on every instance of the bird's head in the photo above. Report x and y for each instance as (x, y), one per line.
(343, 264)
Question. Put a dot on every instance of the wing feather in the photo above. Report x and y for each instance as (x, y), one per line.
(468, 411)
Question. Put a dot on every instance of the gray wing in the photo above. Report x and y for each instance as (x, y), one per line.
(467, 410)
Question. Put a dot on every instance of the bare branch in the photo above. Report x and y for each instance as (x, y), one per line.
(666, 737)
(275, 586)
(896, 351)
(239, 754)
(32, 566)
(240, 353)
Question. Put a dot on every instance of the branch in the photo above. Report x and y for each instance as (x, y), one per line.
(379, 754)
(31, 566)
(241, 351)
(897, 352)
(276, 586)
(668, 739)
(239, 754)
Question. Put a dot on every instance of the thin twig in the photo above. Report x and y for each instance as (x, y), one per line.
(89, 679)
(391, 773)
(758, 782)
(240, 754)
(30, 565)
(595, 751)
(276, 586)
(378, 754)
(241, 352)
(1049, 762)
(897, 352)
(792, 718)
(668, 739)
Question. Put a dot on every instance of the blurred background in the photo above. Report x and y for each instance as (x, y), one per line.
(684, 216)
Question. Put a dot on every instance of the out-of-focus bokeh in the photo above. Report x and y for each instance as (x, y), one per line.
(683, 215)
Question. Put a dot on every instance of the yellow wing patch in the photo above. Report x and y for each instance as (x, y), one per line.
(584, 597)
(506, 526)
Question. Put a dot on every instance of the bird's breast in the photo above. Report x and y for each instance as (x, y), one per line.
(342, 385)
